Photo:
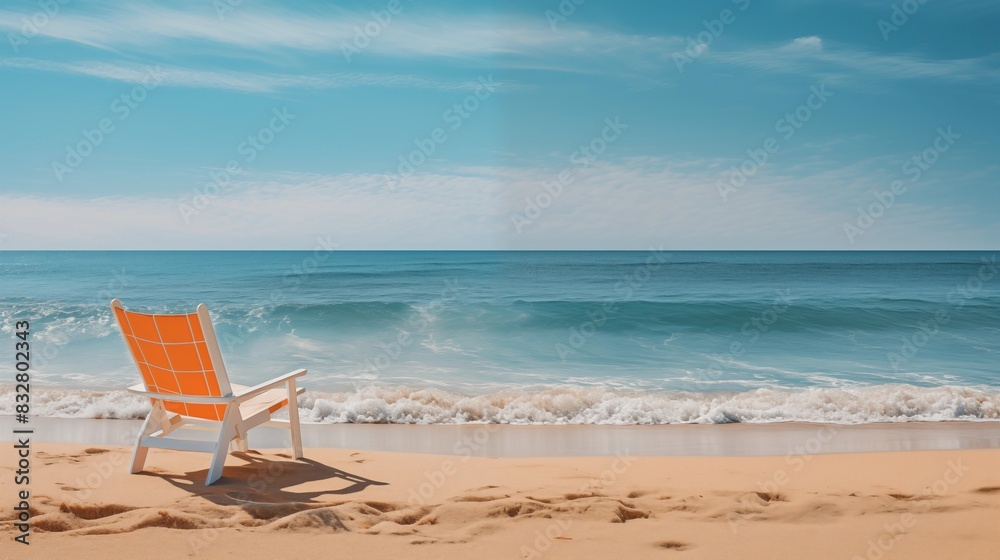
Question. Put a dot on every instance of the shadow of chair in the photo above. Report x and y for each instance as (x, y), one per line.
(266, 481)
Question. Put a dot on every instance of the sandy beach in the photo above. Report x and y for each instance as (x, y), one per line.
(367, 504)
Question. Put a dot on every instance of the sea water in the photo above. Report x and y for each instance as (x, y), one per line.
(645, 337)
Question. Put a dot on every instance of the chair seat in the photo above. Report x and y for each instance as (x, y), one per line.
(271, 400)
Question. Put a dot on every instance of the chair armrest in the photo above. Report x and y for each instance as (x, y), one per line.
(258, 389)
(193, 399)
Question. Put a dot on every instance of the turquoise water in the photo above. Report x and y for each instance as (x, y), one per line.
(616, 337)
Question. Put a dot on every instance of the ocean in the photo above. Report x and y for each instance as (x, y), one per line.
(645, 337)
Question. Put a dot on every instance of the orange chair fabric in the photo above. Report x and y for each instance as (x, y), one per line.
(173, 359)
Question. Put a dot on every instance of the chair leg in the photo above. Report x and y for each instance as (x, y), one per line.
(226, 435)
(140, 451)
(218, 461)
(293, 419)
(155, 420)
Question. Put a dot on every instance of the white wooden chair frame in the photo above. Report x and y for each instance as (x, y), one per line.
(246, 408)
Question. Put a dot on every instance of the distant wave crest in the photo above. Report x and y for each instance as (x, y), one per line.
(62, 322)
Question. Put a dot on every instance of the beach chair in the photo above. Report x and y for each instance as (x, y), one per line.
(186, 382)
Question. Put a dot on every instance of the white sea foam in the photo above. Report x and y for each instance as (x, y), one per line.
(64, 403)
(575, 405)
(62, 323)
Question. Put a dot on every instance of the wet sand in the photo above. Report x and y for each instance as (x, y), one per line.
(554, 441)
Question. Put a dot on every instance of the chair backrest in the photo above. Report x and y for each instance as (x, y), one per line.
(177, 355)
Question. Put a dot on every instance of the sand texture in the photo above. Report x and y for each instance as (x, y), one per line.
(350, 504)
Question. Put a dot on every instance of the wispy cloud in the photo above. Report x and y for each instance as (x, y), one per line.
(266, 34)
(812, 56)
(627, 204)
(239, 81)
(515, 41)
(143, 26)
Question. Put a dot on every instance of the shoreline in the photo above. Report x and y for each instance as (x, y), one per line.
(514, 441)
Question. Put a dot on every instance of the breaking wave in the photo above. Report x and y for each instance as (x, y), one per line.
(575, 405)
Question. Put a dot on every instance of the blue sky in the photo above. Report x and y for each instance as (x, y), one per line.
(311, 107)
